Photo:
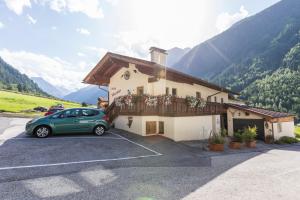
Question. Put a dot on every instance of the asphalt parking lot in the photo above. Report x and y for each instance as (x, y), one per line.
(121, 165)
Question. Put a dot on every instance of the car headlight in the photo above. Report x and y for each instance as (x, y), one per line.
(32, 121)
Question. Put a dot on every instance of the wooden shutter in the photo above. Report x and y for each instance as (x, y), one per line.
(161, 127)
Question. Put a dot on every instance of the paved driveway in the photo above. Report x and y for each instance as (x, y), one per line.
(121, 165)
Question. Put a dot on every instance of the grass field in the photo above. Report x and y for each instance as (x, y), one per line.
(18, 103)
(297, 131)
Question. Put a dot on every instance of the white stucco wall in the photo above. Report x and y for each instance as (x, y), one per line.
(175, 128)
(119, 86)
(287, 129)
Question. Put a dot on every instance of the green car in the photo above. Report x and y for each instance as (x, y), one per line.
(75, 120)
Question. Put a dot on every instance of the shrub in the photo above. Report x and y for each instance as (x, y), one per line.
(237, 137)
(286, 140)
(249, 134)
(224, 132)
(216, 139)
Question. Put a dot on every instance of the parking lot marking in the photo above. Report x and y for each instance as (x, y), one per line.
(153, 151)
(54, 138)
(77, 162)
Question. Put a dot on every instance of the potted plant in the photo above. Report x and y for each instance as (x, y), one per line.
(249, 136)
(216, 142)
(236, 140)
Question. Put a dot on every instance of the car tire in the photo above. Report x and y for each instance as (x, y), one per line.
(99, 130)
(42, 131)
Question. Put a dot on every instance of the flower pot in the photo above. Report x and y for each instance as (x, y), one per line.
(251, 144)
(216, 147)
(235, 145)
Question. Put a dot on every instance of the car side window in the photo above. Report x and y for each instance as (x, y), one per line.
(72, 113)
(89, 113)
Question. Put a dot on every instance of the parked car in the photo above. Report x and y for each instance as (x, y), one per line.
(75, 120)
(40, 109)
(53, 110)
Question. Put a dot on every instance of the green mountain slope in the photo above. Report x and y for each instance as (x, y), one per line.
(258, 56)
(12, 79)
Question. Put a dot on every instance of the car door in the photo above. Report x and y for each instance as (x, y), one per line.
(87, 120)
(67, 121)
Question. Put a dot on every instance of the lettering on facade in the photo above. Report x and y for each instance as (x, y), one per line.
(115, 93)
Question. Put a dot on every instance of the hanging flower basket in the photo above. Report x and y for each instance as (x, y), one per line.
(151, 100)
(194, 102)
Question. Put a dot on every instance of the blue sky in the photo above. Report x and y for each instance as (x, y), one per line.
(61, 40)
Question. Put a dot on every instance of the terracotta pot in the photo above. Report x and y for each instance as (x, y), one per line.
(235, 145)
(216, 147)
(251, 144)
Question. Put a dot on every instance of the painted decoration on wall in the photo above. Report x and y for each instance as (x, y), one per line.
(126, 75)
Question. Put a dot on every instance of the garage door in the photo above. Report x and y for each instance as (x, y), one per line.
(240, 124)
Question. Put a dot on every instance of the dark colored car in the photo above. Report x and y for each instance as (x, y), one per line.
(75, 120)
(40, 109)
(53, 110)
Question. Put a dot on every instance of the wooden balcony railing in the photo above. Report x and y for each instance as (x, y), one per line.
(177, 108)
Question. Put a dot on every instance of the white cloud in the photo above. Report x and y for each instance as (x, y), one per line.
(83, 31)
(31, 20)
(135, 43)
(17, 5)
(80, 54)
(54, 28)
(98, 51)
(1, 25)
(91, 8)
(225, 20)
(54, 70)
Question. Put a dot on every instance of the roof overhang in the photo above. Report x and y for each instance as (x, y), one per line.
(111, 63)
(269, 115)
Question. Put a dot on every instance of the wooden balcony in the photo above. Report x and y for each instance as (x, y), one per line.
(177, 108)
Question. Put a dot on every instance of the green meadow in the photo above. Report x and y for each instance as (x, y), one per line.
(19, 103)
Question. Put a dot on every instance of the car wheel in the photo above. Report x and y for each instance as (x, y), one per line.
(42, 131)
(99, 130)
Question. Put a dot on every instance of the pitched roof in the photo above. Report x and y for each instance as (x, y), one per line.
(261, 111)
(112, 62)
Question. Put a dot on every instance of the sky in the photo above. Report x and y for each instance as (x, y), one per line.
(62, 40)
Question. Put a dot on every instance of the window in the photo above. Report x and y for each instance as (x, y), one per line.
(279, 127)
(167, 91)
(89, 113)
(71, 113)
(140, 90)
(222, 100)
(215, 99)
(198, 94)
(161, 127)
(174, 91)
(209, 99)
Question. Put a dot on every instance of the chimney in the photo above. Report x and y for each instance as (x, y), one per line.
(158, 55)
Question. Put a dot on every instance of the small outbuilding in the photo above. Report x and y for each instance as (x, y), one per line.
(276, 124)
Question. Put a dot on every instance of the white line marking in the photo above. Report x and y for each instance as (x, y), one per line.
(78, 162)
(159, 154)
(60, 138)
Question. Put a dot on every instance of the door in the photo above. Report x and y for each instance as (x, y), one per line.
(87, 120)
(150, 127)
(67, 121)
(240, 124)
(161, 127)
(140, 91)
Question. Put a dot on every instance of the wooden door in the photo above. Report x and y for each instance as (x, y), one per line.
(161, 127)
(151, 127)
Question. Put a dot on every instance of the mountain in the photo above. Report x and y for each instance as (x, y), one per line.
(12, 79)
(49, 88)
(175, 54)
(89, 94)
(258, 56)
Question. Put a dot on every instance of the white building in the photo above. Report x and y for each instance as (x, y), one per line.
(146, 98)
